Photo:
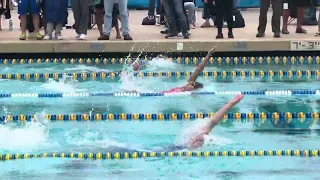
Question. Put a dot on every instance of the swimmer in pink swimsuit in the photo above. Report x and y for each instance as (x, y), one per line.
(192, 84)
(198, 140)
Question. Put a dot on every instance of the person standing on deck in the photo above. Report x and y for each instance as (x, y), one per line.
(276, 17)
(24, 8)
(124, 18)
(55, 13)
(81, 15)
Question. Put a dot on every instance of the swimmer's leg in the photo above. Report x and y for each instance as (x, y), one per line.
(201, 66)
(218, 116)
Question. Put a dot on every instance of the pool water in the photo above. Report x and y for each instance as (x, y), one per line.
(114, 136)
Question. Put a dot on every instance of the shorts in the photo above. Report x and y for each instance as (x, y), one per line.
(28, 6)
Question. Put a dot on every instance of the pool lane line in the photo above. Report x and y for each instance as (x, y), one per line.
(245, 60)
(236, 117)
(271, 93)
(271, 74)
(136, 155)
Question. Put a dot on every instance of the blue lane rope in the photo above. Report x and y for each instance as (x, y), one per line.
(313, 74)
(236, 117)
(283, 60)
(135, 155)
(134, 94)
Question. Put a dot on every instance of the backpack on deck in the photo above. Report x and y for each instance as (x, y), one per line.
(238, 19)
(310, 16)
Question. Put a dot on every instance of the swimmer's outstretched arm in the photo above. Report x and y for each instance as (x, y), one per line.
(218, 116)
(199, 69)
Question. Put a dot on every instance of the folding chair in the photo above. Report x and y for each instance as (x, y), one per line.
(293, 15)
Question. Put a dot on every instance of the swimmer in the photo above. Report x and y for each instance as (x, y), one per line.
(194, 142)
(192, 81)
(198, 139)
(139, 65)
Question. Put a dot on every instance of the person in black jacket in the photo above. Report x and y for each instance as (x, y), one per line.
(224, 7)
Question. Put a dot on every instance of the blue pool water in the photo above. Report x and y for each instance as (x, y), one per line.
(114, 136)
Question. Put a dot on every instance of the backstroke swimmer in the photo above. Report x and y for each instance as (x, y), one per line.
(192, 81)
(197, 140)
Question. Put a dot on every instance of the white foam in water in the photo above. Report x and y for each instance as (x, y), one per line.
(97, 140)
(64, 85)
(193, 129)
(160, 63)
(6, 70)
(85, 68)
(130, 83)
(33, 135)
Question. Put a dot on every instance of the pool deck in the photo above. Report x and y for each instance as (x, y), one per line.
(149, 39)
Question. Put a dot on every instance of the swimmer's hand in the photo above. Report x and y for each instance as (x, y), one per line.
(212, 50)
(236, 99)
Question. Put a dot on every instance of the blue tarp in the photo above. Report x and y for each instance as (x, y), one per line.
(239, 3)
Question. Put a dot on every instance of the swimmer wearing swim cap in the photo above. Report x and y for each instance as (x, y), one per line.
(192, 83)
(139, 65)
(198, 139)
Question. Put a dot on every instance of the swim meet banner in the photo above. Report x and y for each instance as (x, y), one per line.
(238, 3)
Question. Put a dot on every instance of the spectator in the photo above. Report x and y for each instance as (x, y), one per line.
(99, 18)
(55, 13)
(208, 13)
(318, 33)
(276, 9)
(299, 6)
(190, 7)
(108, 6)
(24, 8)
(99, 13)
(224, 7)
(2, 10)
(174, 10)
(166, 31)
(81, 15)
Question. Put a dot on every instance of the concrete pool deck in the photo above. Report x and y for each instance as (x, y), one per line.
(149, 39)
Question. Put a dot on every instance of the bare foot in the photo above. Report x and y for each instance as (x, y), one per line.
(118, 37)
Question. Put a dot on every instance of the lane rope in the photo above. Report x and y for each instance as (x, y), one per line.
(236, 117)
(310, 74)
(136, 155)
(276, 93)
(283, 60)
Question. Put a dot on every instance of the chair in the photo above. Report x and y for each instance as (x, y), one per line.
(293, 15)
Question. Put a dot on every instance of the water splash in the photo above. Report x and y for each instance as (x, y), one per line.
(131, 83)
(64, 85)
(160, 63)
(128, 82)
(84, 139)
(194, 129)
(84, 68)
(25, 138)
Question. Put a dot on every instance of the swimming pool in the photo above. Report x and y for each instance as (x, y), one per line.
(153, 123)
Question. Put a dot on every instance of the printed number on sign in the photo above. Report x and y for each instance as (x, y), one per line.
(305, 45)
